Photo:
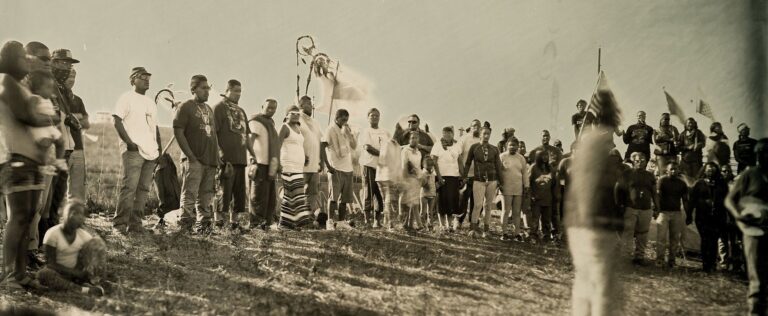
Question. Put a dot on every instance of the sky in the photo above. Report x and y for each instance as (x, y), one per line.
(516, 63)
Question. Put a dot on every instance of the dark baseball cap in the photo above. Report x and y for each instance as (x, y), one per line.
(64, 54)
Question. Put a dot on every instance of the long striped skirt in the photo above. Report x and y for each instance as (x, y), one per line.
(294, 212)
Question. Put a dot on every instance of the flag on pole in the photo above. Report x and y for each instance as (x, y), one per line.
(603, 104)
(674, 108)
(704, 109)
(348, 90)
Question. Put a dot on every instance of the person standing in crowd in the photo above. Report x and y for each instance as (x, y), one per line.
(708, 203)
(748, 203)
(194, 127)
(425, 141)
(313, 135)
(371, 139)
(232, 135)
(744, 148)
(263, 170)
(340, 142)
(636, 193)
(718, 150)
(135, 120)
(410, 161)
(559, 145)
(581, 118)
(731, 251)
(294, 212)
(428, 191)
(388, 176)
(563, 177)
(593, 221)
(467, 200)
(638, 138)
(76, 162)
(513, 171)
(448, 166)
(543, 186)
(24, 184)
(673, 194)
(555, 155)
(487, 166)
(666, 138)
(691, 142)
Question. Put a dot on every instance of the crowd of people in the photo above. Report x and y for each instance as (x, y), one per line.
(233, 164)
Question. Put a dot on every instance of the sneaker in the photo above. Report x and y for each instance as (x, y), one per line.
(330, 224)
(375, 223)
(455, 223)
(520, 238)
(344, 225)
(472, 233)
(160, 226)
(95, 290)
(484, 235)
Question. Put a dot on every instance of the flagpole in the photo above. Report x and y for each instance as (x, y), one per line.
(335, 79)
(597, 85)
(599, 55)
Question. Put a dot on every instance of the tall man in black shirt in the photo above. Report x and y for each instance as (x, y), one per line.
(744, 148)
(672, 190)
(638, 137)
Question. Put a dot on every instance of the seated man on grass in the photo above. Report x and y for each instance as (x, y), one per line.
(72, 254)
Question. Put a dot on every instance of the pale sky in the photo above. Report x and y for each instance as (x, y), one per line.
(514, 63)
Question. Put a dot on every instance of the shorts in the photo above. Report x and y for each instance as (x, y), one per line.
(341, 187)
(23, 175)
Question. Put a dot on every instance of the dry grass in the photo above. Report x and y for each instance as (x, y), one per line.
(361, 272)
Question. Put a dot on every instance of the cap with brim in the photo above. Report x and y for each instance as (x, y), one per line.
(139, 71)
(64, 54)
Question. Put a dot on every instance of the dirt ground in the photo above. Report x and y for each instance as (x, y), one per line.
(365, 272)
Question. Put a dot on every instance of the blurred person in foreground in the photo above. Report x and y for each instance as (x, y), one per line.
(593, 219)
(748, 203)
(28, 158)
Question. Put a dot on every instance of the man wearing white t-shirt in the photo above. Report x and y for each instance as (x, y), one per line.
(313, 136)
(371, 139)
(135, 118)
(339, 142)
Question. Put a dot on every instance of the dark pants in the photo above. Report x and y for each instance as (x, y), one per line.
(58, 198)
(372, 191)
(467, 201)
(231, 193)
(756, 253)
(263, 196)
(448, 196)
(709, 236)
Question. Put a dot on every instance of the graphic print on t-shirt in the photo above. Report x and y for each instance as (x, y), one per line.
(639, 135)
(204, 114)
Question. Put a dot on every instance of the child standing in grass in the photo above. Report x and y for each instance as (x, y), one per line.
(410, 158)
(428, 191)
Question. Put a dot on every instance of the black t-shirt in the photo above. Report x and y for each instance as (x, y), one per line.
(635, 189)
(744, 151)
(638, 138)
(198, 123)
(671, 191)
(232, 132)
(578, 121)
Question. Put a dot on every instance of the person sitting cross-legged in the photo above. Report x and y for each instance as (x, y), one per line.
(68, 267)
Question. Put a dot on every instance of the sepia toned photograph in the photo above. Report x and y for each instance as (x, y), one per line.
(384, 157)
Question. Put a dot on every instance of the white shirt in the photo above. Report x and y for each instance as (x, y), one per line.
(373, 137)
(339, 148)
(514, 171)
(447, 159)
(139, 115)
(465, 143)
(389, 162)
(261, 143)
(66, 253)
(313, 135)
(413, 156)
(292, 152)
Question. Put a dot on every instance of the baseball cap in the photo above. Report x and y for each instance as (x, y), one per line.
(138, 71)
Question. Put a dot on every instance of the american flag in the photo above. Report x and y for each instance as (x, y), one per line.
(704, 109)
(603, 104)
(674, 108)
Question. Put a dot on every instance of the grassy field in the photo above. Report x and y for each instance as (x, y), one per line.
(358, 272)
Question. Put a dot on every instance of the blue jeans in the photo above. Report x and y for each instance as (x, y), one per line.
(137, 180)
